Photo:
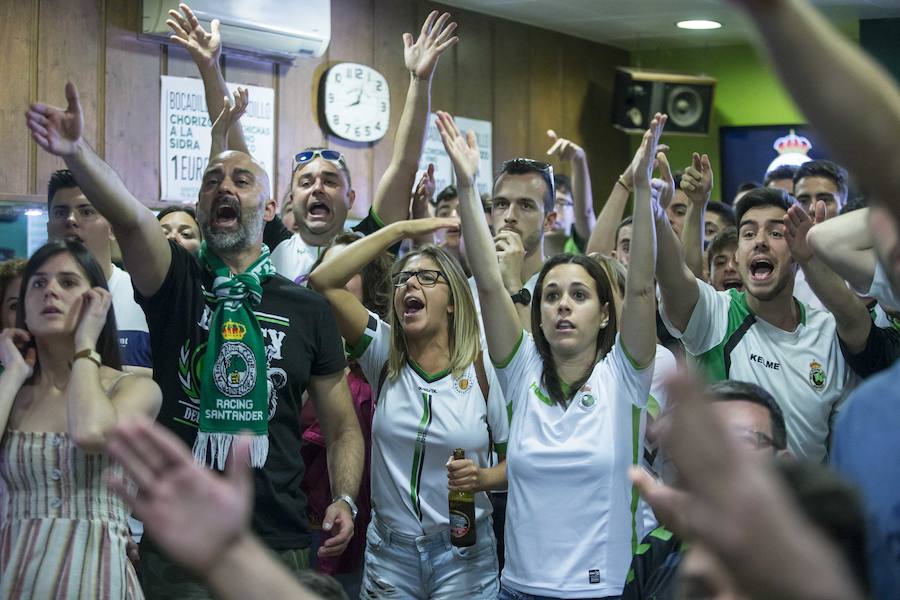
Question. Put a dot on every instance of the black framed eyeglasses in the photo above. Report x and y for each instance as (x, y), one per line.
(426, 277)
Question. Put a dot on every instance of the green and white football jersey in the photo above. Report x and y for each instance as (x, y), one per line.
(803, 369)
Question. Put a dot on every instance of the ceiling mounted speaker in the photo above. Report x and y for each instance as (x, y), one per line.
(639, 94)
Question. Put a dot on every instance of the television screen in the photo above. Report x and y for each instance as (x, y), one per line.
(748, 153)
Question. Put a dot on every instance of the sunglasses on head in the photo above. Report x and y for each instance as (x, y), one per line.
(301, 158)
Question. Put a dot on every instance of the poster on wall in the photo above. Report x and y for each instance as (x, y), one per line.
(185, 134)
(433, 152)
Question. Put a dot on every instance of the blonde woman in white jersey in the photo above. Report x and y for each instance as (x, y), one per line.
(577, 389)
(430, 390)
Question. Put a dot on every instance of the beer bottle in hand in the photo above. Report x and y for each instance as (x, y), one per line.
(462, 512)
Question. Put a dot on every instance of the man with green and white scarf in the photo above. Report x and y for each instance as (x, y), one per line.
(234, 346)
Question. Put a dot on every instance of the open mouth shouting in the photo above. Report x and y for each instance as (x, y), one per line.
(412, 306)
(318, 211)
(226, 213)
(732, 283)
(761, 269)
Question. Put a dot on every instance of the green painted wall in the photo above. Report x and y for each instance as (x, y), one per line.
(747, 93)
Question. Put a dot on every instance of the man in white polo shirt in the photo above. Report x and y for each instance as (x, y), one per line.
(763, 334)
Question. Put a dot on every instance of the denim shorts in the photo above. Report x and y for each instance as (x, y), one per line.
(429, 566)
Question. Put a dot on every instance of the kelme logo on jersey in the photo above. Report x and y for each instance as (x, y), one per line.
(235, 369)
(817, 375)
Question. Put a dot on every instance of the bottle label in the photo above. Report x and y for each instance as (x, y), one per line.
(459, 524)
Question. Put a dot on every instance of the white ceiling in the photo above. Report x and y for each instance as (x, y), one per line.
(635, 24)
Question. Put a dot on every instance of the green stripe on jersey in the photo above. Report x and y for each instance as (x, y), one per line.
(540, 394)
(415, 477)
(712, 362)
(635, 452)
(274, 319)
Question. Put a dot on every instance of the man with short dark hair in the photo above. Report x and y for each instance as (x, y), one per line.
(756, 424)
(761, 334)
(721, 261)
(623, 241)
(71, 216)
(717, 218)
(821, 181)
(781, 177)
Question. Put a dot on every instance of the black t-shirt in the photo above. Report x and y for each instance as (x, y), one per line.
(881, 351)
(302, 340)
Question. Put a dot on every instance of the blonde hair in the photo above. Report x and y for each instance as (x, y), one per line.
(463, 333)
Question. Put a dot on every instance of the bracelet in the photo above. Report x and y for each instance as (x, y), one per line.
(621, 181)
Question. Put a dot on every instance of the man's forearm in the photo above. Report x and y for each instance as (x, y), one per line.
(852, 317)
(582, 197)
(859, 117)
(392, 193)
(845, 244)
(692, 238)
(677, 284)
(216, 90)
(346, 455)
(603, 237)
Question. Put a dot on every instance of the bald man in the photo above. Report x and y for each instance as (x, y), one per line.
(199, 314)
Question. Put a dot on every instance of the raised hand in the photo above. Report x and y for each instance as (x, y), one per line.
(667, 189)
(797, 224)
(422, 56)
(462, 475)
(417, 227)
(204, 47)
(55, 130)
(643, 162)
(424, 191)
(697, 181)
(563, 148)
(16, 355)
(193, 514)
(231, 114)
(462, 149)
(95, 305)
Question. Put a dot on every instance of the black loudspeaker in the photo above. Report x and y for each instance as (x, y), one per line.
(639, 94)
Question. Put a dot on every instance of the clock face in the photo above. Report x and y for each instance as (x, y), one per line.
(357, 102)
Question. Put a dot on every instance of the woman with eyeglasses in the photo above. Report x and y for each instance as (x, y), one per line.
(432, 396)
(577, 389)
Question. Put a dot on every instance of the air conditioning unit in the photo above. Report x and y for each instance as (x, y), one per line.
(271, 29)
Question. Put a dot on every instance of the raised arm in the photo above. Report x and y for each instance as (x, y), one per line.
(845, 244)
(859, 118)
(639, 307)
(205, 47)
(92, 412)
(17, 369)
(582, 195)
(498, 312)
(332, 275)
(421, 198)
(677, 283)
(225, 122)
(603, 237)
(852, 316)
(144, 246)
(391, 201)
(697, 184)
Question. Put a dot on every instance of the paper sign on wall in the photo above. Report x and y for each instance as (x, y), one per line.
(433, 152)
(185, 134)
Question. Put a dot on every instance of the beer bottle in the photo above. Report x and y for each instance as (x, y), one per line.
(462, 512)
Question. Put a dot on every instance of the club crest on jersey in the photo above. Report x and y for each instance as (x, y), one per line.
(817, 375)
(587, 399)
(235, 369)
(462, 385)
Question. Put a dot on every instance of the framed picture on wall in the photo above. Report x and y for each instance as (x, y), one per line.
(747, 153)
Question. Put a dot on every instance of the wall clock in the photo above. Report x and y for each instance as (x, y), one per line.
(356, 102)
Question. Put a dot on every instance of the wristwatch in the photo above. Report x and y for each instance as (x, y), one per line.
(350, 503)
(90, 354)
(522, 297)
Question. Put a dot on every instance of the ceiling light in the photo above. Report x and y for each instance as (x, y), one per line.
(698, 24)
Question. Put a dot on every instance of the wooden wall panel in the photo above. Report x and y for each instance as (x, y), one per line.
(393, 19)
(523, 79)
(18, 24)
(511, 91)
(351, 41)
(132, 102)
(71, 48)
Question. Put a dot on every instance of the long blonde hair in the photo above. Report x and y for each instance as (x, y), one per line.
(463, 333)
